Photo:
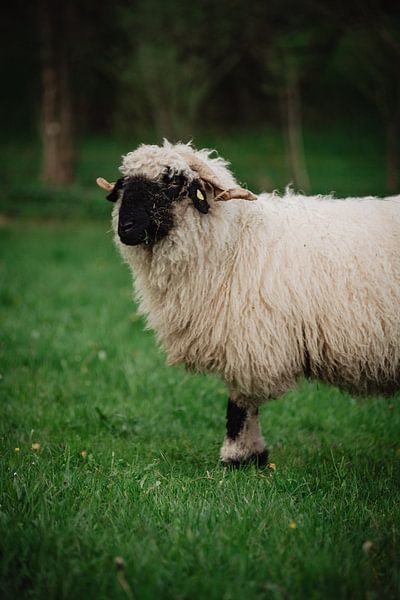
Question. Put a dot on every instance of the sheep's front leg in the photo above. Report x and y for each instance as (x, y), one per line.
(243, 443)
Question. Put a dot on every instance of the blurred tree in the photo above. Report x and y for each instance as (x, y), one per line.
(369, 56)
(294, 46)
(174, 56)
(18, 70)
(78, 84)
(286, 62)
(56, 127)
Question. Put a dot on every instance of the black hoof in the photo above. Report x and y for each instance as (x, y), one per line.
(257, 460)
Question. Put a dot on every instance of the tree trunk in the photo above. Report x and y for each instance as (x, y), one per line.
(56, 118)
(392, 154)
(293, 128)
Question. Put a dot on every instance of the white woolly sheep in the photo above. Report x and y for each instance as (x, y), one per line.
(259, 293)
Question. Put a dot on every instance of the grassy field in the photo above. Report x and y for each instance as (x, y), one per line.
(128, 457)
(108, 454)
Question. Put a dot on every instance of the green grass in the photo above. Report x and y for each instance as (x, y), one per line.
(346, 160)
(80, 374)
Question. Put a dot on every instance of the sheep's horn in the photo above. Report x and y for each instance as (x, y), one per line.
(239, 193)
(208, 175)
(104, 184)
(203, 170)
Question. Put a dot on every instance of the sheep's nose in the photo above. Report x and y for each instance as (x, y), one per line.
(131, 234)
(127, 227)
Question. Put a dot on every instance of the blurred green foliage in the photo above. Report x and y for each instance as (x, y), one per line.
(270, 85)
(174, 66)
(345, 161)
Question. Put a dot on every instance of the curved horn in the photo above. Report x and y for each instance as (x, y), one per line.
(239, 193)
(104, 184)
(203, 170)
(208, 175)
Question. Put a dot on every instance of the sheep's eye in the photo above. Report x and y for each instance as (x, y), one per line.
(171, 178)
(174, 184)
(166, 177)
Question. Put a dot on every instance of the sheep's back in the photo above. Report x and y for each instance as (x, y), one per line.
(331, 284)
(261, 292)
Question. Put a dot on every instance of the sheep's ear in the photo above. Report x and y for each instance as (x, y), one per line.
(113, 195)
(198, 197)
(113, 188)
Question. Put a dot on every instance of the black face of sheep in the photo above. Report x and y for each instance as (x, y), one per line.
(145, 215)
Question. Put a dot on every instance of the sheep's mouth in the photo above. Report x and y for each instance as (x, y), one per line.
(130, 237)
(136, 231)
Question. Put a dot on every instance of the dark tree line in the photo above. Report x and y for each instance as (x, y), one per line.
(175, 67)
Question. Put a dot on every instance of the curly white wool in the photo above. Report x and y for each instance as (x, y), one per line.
(260, 292)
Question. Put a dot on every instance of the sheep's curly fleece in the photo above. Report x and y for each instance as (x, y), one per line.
(258, 292)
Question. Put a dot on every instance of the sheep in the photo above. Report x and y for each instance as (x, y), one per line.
(259, 292)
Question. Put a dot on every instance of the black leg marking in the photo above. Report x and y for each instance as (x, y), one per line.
(235, 419)
(243, 444)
